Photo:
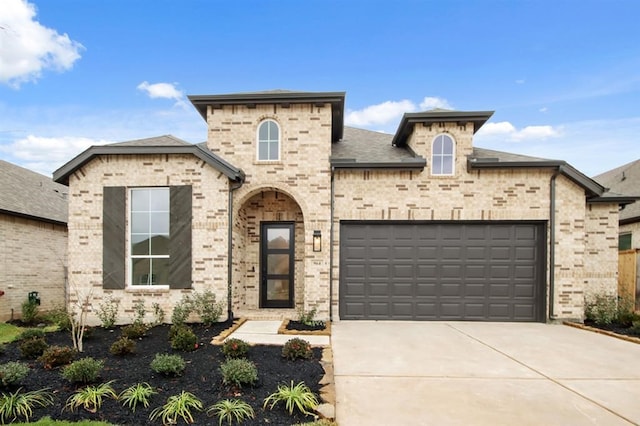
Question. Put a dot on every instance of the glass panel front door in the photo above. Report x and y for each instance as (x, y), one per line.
(276, 264)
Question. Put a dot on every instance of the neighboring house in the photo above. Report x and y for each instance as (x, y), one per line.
(284, 208)
(33, 240)
(626, 180)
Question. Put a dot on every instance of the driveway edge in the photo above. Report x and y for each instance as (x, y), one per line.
(601, 331)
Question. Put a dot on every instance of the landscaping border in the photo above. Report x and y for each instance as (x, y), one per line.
(326, 332)
(601, 331)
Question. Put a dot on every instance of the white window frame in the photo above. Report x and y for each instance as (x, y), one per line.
(130, 234)
(268, 141)
(442, 155)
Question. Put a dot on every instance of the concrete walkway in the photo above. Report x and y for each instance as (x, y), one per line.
(460, 373)
(266, 333)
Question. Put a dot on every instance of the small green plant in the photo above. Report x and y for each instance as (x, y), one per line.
(231, 410)
(178, 406)
(137, 330)
(184, 339)
(90, 397)
(140, 311)
(168, 365)
(55, 356)
(21, 404)
(84, 370)
(238, 372)
(207, 308)
(32, 348)
(235, 348)
(30, 310)
(12, 373)
(139, 393)
(122, 346)
(182, 310)
(108, 312)
(298, 396)
(32, 333)
(308, 318)
(58, 316)
(297, 348)
(605, 309)
(158, 314)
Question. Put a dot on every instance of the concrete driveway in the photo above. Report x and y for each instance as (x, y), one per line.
(462, 373)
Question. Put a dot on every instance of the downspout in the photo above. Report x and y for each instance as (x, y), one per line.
(331, 249)
(232, 188)
(552, 242)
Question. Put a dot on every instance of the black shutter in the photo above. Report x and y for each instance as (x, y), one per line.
(113, 237)
(180, 244)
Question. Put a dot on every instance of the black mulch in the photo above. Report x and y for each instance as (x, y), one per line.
(300, 326)
(624, 329)
(201, 377)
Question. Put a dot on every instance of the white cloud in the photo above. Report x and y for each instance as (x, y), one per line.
(379, 114)
(163, 91)
(543, 109)
(520, 81)
(27, 48)
(431, 102)
(511, 133)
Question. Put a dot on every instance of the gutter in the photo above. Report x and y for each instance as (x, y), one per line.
(331, 246)
(552, 241)
(232, 188)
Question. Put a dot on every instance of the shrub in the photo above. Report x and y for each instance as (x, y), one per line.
(12, 373)
(140, 311)
(168, 365)
(85, 370)
(206, 307)
(307, 318)
(158, 314)
(54, 356)
(32, 348)
(136, 330)
(32, 333)
(231, 409)
(238, 372)
(235, 348)
(122, 346)
(298, 396)
(21, 404)
(108, 312)
(605, 309)
(184, 339)
(29, 311)
(139, 393)
(180, 405)
(91, 397)
(182, 310)
(59, 317)
(297, 348)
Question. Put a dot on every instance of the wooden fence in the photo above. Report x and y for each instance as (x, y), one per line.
(628, 275)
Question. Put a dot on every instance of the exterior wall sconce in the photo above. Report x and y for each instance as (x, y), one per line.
(317, 241)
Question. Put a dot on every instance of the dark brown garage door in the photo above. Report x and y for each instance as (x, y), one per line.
(442, 271)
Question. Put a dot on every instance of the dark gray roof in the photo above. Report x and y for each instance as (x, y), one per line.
(280, 97)
(165, 144)
(410, 119)
(624, 180)
(361, 148)
(483, 153)
(29, 194)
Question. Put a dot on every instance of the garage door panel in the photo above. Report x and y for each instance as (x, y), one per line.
(442, 271)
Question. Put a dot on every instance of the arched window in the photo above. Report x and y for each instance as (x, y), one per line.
(442, 155)
(268, 141)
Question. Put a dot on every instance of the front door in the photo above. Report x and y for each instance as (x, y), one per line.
(276, 264)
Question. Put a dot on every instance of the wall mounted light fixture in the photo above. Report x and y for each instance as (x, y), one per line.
(317, 241)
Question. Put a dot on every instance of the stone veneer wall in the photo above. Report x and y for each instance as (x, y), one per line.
(33, 257)
(302, 173)
(209, 254)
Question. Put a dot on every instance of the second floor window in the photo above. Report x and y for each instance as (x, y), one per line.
(442, 155)
(268, 141)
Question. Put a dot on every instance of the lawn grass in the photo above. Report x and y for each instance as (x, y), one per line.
(46, 421)
(9, 332)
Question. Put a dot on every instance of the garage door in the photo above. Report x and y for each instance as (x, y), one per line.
(475, 271)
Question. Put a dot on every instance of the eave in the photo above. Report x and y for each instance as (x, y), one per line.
(409, 120)
(417, 163)
(250, 100)
(62, 174)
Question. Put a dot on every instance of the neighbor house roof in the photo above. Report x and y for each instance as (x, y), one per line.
(624, 180)
(29, 194)
(280, 97)
(166, 144)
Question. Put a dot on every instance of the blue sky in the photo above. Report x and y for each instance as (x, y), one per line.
(563, 76)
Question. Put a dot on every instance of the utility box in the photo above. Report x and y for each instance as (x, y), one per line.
(34, 297)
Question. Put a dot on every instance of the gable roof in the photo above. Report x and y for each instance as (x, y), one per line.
(31, 195)
(410, 119)
(166, 144)
(280, 97)
(624, 180)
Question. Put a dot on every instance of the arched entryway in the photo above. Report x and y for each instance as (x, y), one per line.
(268, 250)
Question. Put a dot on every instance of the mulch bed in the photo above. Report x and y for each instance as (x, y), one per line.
(201, 377)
